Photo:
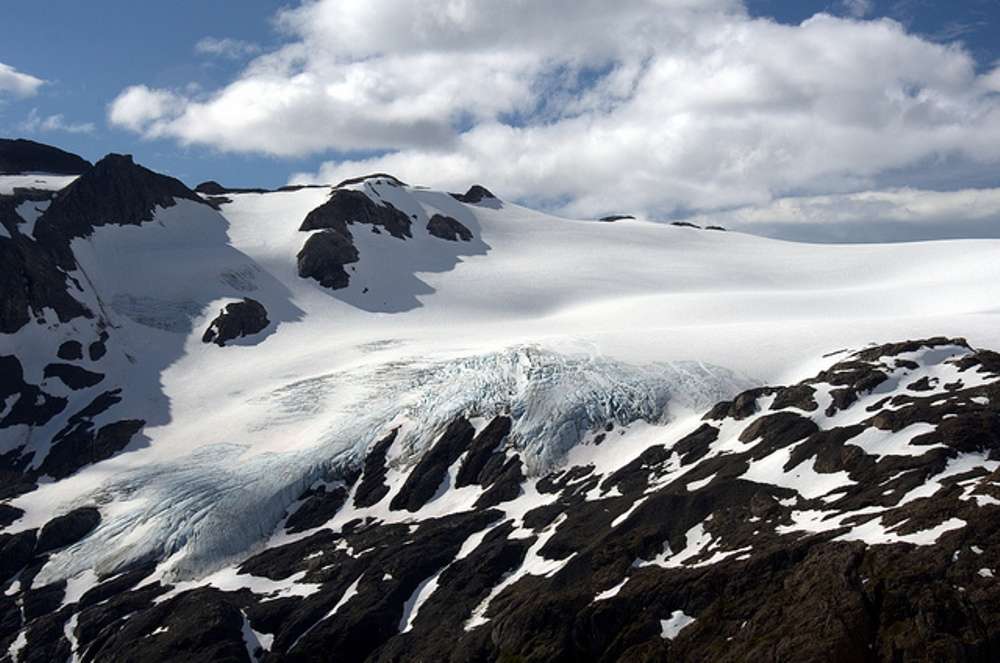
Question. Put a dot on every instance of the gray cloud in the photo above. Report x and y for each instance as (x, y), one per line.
(870, 216)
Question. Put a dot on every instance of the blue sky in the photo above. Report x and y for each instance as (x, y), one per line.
(88, 53)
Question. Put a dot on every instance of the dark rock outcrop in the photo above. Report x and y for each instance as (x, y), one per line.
(615, 217)
(31, 279)
(33, 406)
(213, 188)
(236, 320)
(27, 156)
(448, 228)
(72, 376)
(426, 477)
(372, 487)
(374, 176)
(324, 256)
(347, 206)
(771, 532)
(70, 351)
(67, 529)
(476, 194)
(81, 445)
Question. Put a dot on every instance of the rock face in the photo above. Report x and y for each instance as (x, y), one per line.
(70, 528)
(236, 320)
(115, 191)
(847, 517)
(27, 156)
(324, 256)
(32, 280)
(475, 195)
(347, 206)
(448, 228)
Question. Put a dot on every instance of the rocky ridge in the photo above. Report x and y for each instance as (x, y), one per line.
(852, 516)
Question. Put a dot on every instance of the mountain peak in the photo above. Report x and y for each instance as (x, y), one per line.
(116, 190)
(19, 155)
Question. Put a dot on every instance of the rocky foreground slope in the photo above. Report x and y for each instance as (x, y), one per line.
(377, 422)
(853, 516)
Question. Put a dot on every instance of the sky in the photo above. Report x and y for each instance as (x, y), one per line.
(767, 114)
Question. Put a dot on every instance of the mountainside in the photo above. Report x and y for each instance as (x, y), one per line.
(26, 156)
(390, 423)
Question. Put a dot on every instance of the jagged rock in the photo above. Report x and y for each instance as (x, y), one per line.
(236, 320)
(32, 406)
(596, 564)
(615, 217)
(66, 529)
(80, 446)
(448, 228)
(200, 626)
(741, 407)
(31, 279)
(323, 257)
(27, 156)
(372, 487)
(484, 446)
(425, 478)
(505, 487)
(475, 194)
(319, 505)
(685, 224)
(115, 191)
(16, 550)
(347, 206)
(41, 601)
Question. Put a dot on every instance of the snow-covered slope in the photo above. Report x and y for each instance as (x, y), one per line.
(362, 343)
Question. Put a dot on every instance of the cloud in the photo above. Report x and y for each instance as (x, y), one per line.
(36, 123)
(660, 106)
(144, 110)
(857, 8)
(870, 216)
(18, 83)
(234, 49)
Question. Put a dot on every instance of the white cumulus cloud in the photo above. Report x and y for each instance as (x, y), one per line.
(17, 83)
(659, 106)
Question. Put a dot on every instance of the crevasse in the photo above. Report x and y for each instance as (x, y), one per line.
(223, 500)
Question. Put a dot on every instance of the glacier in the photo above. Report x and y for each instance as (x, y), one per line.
(211, 507)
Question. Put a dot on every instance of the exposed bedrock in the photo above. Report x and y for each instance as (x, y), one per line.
(323, 257)
(347, 206)
(27, 156)
(445, 227)
(236, 320)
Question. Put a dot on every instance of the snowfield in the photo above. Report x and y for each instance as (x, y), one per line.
(561, 323)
